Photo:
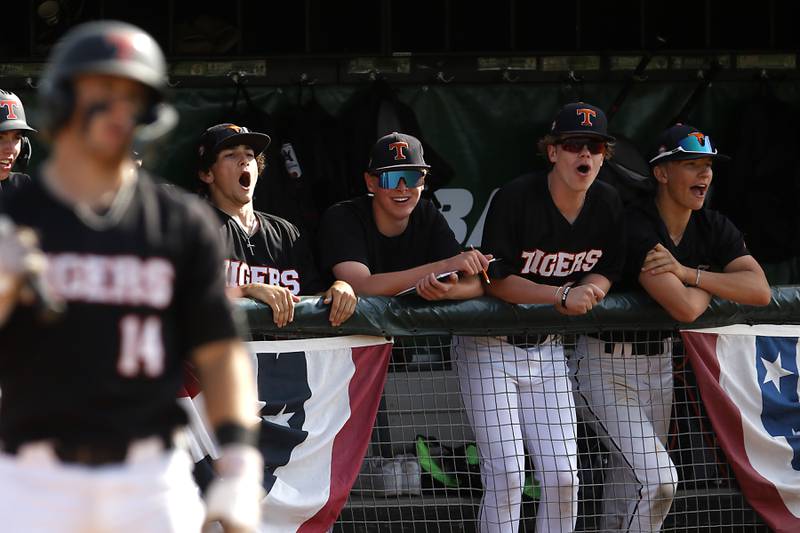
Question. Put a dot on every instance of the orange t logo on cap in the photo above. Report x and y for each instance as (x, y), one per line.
(700, 137)
(123, 46)
(398, 147)
(587, 114)
(9, 105)
(234, 127)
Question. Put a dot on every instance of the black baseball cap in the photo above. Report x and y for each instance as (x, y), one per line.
(225, 135)
(682, 142)
(396, 151)
(581, 118)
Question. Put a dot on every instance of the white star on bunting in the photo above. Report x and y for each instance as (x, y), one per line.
(775, 371)
(281, 418)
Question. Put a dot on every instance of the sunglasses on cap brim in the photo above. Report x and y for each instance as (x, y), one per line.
(575, 145)
(390, 179)
(691, 144)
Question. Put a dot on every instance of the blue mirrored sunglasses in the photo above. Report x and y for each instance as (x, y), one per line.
(691, 144)
(390, 179)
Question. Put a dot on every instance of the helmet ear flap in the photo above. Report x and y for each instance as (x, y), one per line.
(59, 100)
(25, 154)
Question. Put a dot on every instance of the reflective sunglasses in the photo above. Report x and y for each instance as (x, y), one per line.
(575, 145)
(691, 144)
(390, 179)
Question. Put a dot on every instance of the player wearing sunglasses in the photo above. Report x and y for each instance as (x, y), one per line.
(391, 239)
(560, 236)
(681, 254)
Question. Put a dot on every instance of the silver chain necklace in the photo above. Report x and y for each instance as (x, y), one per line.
(246, 233)
(90, 217)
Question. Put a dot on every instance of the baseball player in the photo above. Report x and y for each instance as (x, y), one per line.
(267, 257)
(89, 424)
(559, 236)
(390, 240)
(682, 254)
(14, 144)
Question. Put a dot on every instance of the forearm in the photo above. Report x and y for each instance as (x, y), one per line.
(682, 303)
(518, 290)
(227, 379)
(745, 287)
(466, 288)
(686, 303)
(390, 283)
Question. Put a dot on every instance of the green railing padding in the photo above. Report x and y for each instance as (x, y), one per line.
(411, 315)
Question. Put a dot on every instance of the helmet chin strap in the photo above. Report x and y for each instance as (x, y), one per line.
(146, 133)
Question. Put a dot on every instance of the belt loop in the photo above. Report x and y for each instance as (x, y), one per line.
(667, 341)
(627, 349)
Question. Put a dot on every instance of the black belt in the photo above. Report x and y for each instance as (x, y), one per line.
(91, 454)
(639, 348)
(647, 347)
(528, 341)
(642, 343)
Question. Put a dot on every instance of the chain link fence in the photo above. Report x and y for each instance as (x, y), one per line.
(493, 413)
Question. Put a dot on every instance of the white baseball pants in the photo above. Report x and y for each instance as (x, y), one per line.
(152, 491)
(627, 400)
(517, 397)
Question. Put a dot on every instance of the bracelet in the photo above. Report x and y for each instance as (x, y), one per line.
(555, 296)
(697, 278)
(564, 294)
(235, 433)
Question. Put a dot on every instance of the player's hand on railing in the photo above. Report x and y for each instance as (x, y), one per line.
(432, 289)
(659, 260)
(343, 302)
(580, 299)
(279, 299)
(471, 262)
(234, 498)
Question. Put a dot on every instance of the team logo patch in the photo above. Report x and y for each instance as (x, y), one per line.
(9, 107)
(398, 148)
(588, 115)
(700, 137)
(122, 43)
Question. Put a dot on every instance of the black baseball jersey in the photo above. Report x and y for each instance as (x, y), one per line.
(142, 291)
(710, 240)
(348, 233)
(277, 254)
(526, 230)
(14, 181)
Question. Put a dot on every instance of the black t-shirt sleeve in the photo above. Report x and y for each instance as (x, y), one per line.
(442, 243)
(728, 240)
(342, 237)
(204, 311)
(612, 262)
(500, 233)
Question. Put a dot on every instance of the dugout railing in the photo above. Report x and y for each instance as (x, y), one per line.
(421, 472)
